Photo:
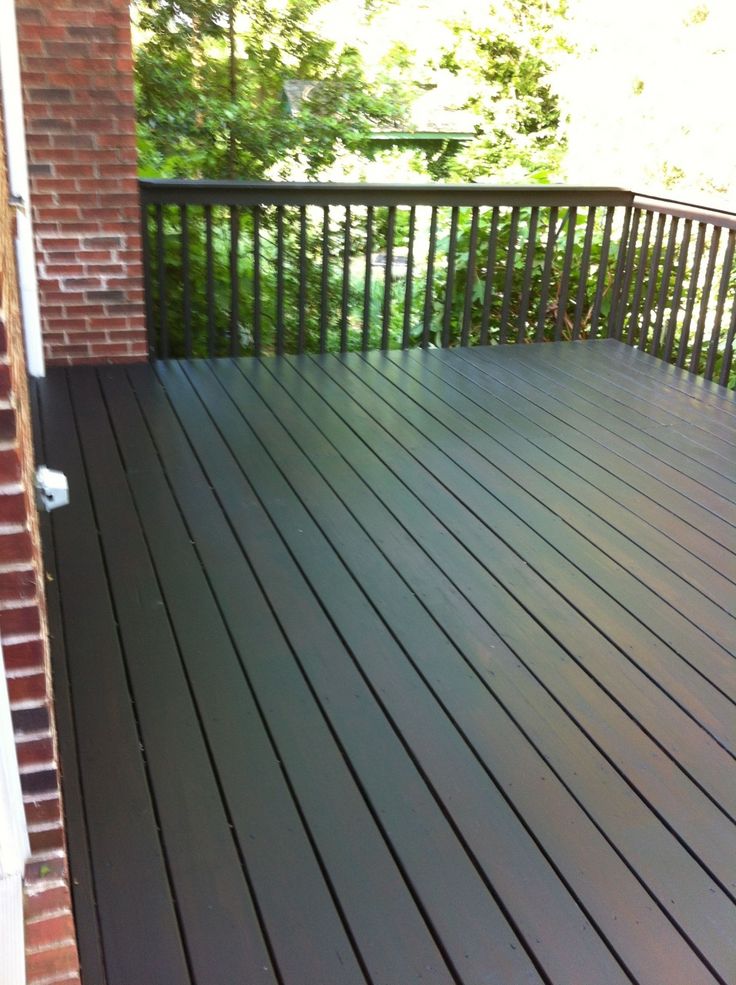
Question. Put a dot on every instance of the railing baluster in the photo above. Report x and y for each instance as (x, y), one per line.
(509, 279)
(388, 277)
(367, 279)
(669, 341)
(186, 280)
(147, 285)
(705, 298)
(409, 285)
(302, 316)
(630, 265)
(257, 338)
(600, 285)
(345, 310)
(691, 295)
(664, 286)
(325, 279)
(450, 278)
(582, 291)
(234, 280)
(490, 275)
(572, 220)
(549, 253)
(651, 282)
(619, 291)
(728, 347)
(429, 284)
(161, 270)
(280, 324)
(726, 273)
(209, 281)
(470, 278)
(640, 274)
(531, 243)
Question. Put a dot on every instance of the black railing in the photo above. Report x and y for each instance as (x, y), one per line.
(252, 269)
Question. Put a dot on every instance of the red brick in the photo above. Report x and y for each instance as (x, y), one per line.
(39, 782)
(35, 752)
(16, 548)
(5, 380)
(45, 870)
(47, 32)
(29, 15)
(85, 336)
(46, 840)
(7, 424)
(17, 585)
(30, 687)
(42, 811)
(51, 930)
(13, 510)
(10, 471)
(45, 965)
(26, 720)
(76, 57)
(24, 656)
(47, 901)
(22, 621)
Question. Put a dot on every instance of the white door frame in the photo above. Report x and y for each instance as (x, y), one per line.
(14, 848)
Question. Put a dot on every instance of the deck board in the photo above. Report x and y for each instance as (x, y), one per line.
(423, 660)
(109, 755)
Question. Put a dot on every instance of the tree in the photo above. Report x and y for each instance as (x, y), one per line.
(506, 63)
(210, 84)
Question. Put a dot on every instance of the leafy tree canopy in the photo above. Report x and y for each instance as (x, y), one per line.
(210, 82)
(507, 62)
(211, 77)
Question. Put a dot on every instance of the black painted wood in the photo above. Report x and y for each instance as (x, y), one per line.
(513, 865)
(352, 854)
(77, 835)
(219, 921)
(392, 668)
(138, 919)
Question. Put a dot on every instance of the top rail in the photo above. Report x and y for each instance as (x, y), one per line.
(685, 210)
(166, 191)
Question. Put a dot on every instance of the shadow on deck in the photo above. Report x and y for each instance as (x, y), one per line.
(401, 668)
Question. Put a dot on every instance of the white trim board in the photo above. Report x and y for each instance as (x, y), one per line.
(12, 943)
(14, 849)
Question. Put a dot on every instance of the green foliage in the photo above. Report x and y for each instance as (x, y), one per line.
(210, 89)
(508, 64)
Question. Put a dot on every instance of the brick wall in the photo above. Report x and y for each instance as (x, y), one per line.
(76, 65)
(50, 945)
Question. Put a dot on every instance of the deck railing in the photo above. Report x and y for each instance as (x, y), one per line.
(252, 269)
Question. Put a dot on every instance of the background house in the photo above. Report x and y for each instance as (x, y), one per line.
(433, 118)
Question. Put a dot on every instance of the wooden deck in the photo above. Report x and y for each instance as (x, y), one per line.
(397, 669)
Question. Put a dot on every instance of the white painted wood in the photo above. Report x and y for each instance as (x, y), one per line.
(12, 946)
(14, 849)
(15, 145)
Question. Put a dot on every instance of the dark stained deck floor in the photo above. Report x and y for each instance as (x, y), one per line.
(398, 669)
